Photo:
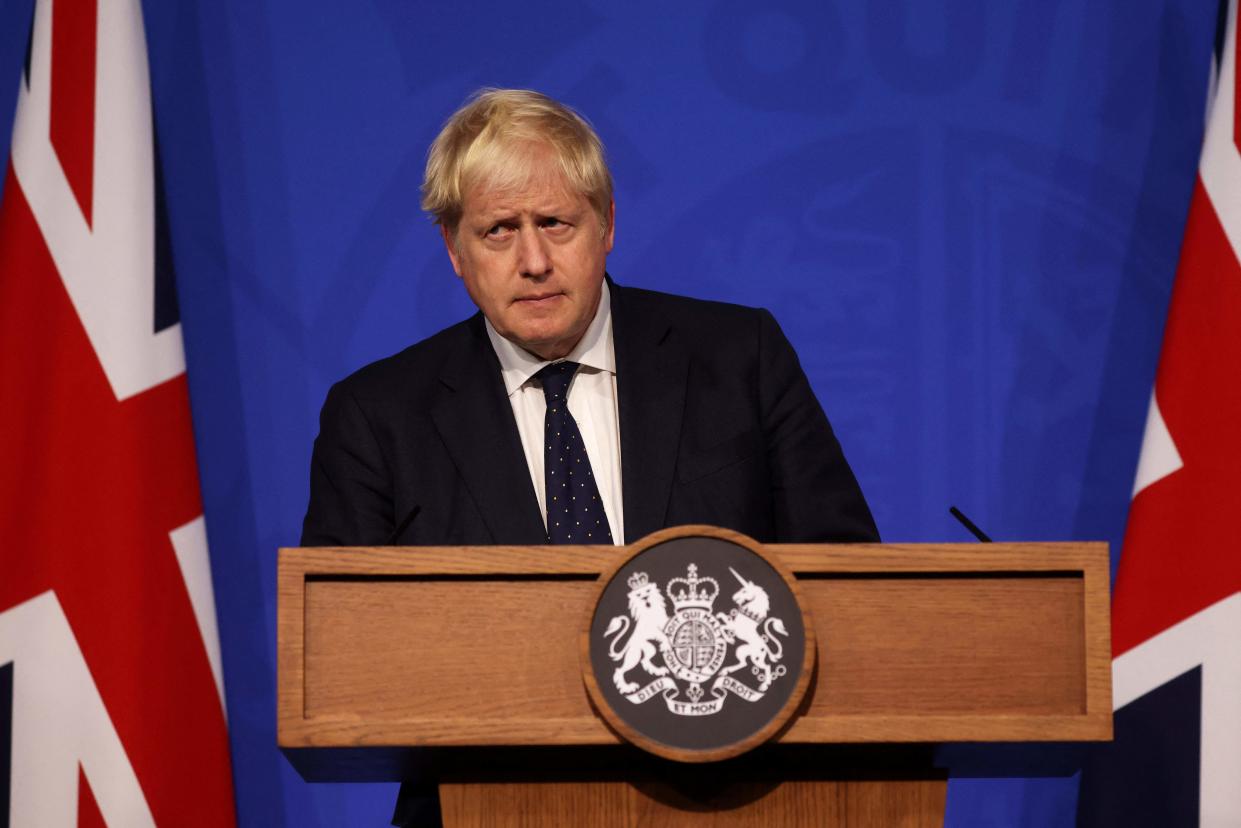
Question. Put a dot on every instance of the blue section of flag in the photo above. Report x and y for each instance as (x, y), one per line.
(6, 741)
(167, 311)
(1149, 775)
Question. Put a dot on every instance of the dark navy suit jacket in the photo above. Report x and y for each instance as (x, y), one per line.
(718, 425)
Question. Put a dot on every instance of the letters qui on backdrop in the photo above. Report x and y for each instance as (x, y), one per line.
(694, 643)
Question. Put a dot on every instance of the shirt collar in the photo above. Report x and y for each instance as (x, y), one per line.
(595, 350)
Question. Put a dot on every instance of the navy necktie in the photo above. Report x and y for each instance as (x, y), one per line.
(574, 509)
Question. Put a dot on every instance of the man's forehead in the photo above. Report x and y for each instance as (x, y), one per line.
(545, 192)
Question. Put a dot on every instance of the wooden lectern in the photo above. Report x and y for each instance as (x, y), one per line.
(474, 651)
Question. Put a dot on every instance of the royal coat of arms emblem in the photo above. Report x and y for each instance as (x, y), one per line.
(695, 658)
(697, 646)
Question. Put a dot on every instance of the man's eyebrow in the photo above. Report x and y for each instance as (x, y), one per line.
(563, 209)
(496, 217)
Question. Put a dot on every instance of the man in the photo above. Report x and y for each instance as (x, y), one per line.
(570, 409)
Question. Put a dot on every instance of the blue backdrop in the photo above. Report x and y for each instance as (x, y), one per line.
(966, 216)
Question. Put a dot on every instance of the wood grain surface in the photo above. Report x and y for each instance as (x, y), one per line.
(791, 804)
(478, 646)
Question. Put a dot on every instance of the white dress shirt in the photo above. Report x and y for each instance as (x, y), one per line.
(592, 402)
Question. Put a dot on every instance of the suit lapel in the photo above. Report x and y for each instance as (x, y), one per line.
(651, 373)
(475, 421)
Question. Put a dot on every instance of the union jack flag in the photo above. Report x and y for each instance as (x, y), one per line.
(1176, 628)
(111, 692)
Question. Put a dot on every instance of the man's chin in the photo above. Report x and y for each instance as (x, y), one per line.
(544, 346)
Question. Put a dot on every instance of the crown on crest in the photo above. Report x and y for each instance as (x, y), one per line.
(638, 580)
(693, 591)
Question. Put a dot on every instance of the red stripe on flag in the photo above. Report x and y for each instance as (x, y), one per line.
(1179, 548)
(91, 488)
(73, 95)
(88, 808)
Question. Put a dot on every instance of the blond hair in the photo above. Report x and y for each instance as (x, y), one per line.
(496, 140)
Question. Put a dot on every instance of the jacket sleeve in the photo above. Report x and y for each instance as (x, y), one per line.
(815, 496)
(350, 484)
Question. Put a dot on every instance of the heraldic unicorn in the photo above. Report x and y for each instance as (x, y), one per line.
(695, 645)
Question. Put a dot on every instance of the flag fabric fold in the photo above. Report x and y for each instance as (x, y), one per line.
(113, 705)
(1176, 610)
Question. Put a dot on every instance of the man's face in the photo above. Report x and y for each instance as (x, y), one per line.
(532, 259)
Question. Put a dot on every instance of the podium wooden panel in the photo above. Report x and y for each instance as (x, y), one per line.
(476, 647)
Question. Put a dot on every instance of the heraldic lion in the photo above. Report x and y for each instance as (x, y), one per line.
(649, 613)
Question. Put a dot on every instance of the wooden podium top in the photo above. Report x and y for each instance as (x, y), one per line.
(472, 646)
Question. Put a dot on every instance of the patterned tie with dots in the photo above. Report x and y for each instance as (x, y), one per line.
(574, 510)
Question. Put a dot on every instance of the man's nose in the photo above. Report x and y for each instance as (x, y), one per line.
(533, 255)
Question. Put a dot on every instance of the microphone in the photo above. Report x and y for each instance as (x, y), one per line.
(404, 524)
(968, 524)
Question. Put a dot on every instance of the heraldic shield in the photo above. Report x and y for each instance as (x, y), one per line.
(697, 647)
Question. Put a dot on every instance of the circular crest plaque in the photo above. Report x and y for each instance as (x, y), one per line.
(697, 647)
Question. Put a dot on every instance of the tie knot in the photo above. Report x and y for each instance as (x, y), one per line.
(555, 379)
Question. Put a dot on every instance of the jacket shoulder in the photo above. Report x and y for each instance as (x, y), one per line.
(686, 311)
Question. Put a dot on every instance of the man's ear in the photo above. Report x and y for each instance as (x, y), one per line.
(611, 234)
(450, 243)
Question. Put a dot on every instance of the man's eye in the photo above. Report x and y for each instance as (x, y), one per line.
(497, 230)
